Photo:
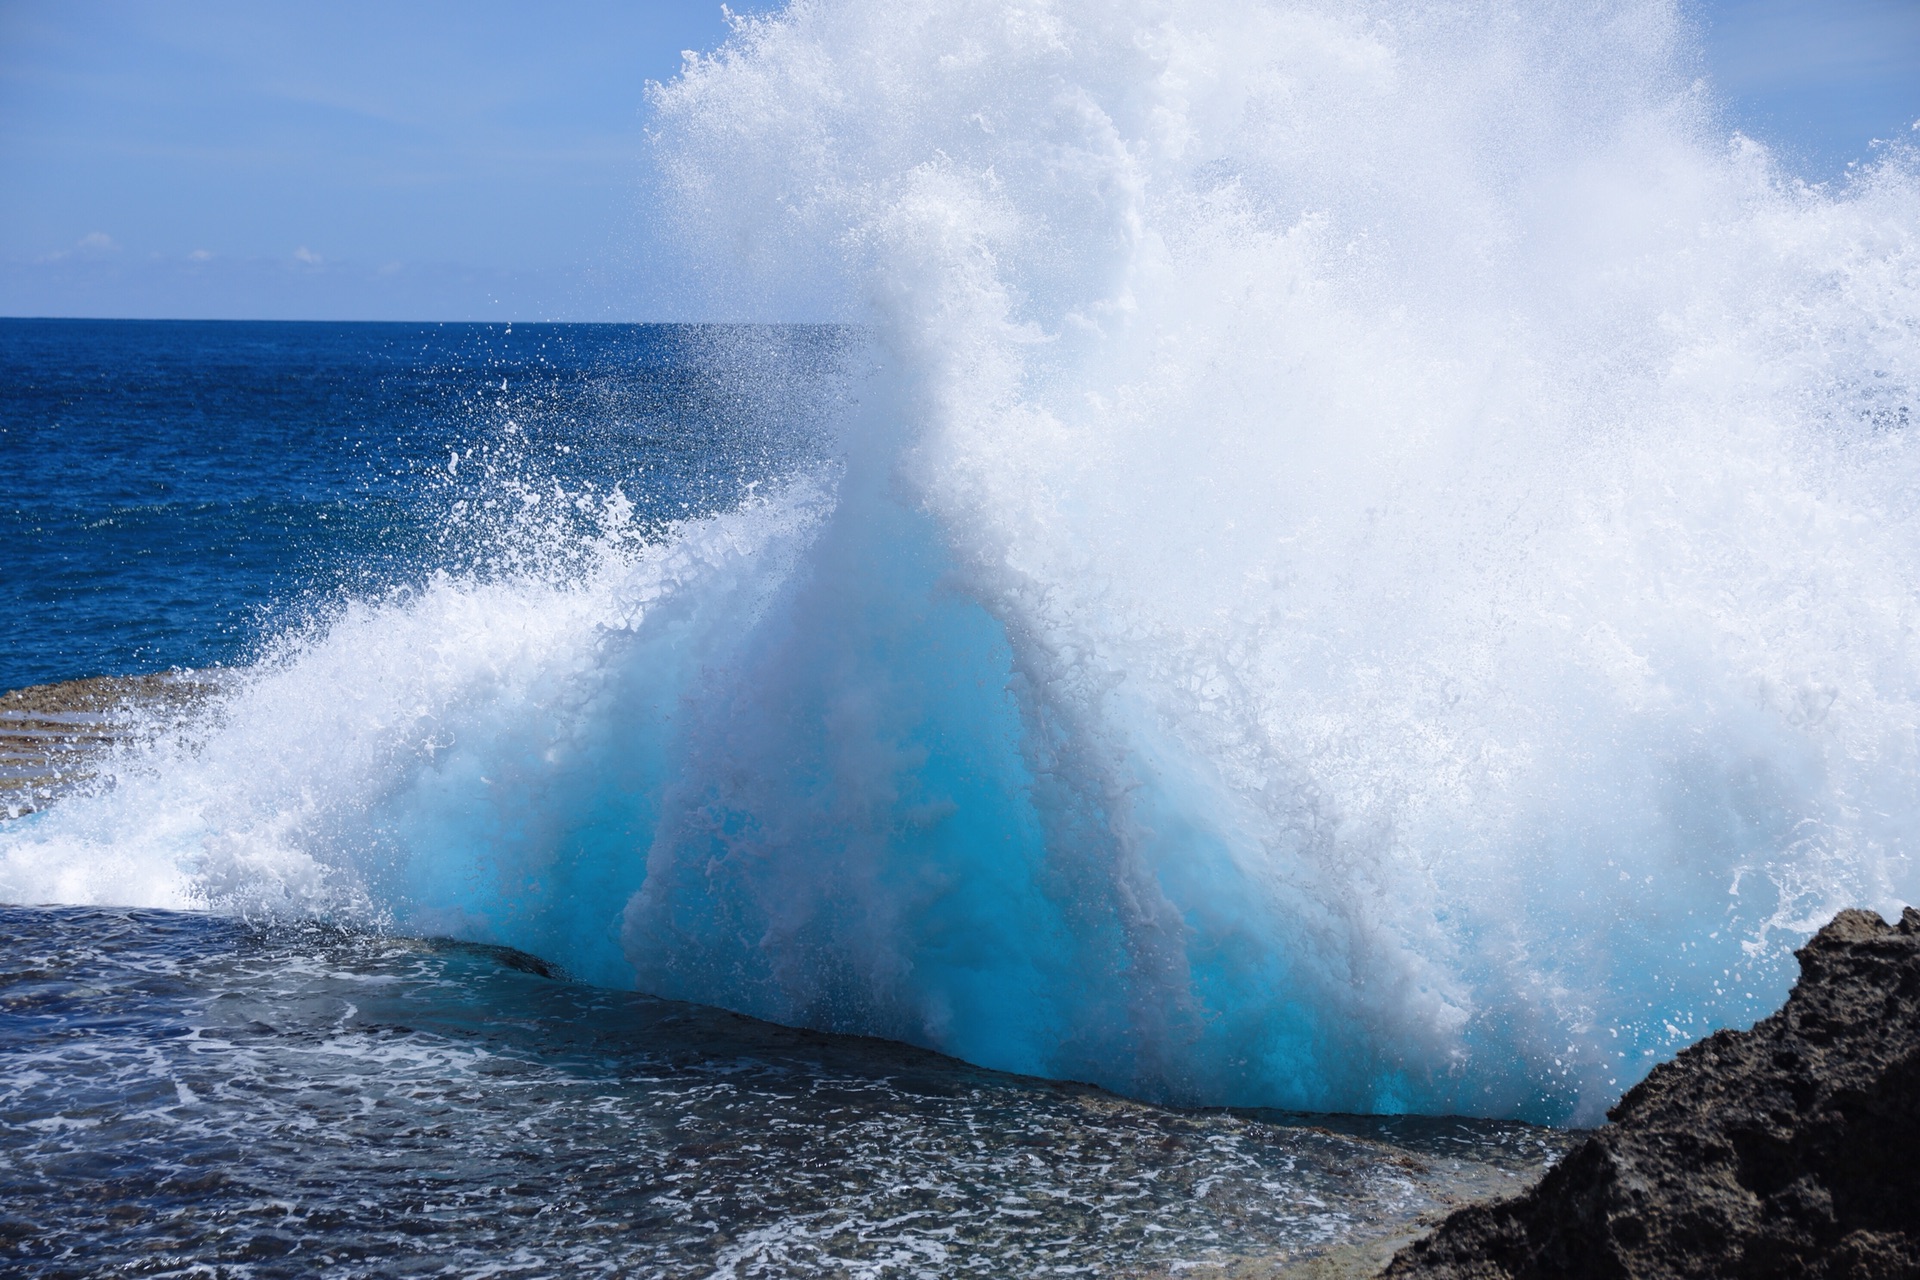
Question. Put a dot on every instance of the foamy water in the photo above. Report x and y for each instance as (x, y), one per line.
(1373, 568)
(182, 1093)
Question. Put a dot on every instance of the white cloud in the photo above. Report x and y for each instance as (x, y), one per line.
(94, 244)
(308, 256)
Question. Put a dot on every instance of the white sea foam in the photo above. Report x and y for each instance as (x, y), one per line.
(1378, 570)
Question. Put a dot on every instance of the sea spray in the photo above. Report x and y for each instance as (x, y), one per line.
(1373, 569)
(477, 757)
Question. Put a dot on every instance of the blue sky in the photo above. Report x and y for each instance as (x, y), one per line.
(1817, 79)
(483, 160)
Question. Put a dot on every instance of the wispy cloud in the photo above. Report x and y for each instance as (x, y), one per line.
(94, 244)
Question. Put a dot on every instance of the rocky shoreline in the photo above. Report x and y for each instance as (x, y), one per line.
(1791, 1150)
(52, 736)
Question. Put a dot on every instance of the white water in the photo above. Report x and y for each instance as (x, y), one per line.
(1377, 570)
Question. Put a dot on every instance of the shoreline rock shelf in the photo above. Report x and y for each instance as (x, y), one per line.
(53, 735)
(1791, 1150)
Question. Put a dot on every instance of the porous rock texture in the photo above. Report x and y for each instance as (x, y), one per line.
(1791, 1150)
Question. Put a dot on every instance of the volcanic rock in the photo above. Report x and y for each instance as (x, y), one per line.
(1791, 1150)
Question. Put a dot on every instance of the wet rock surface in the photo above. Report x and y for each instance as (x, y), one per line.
(1791, 1150)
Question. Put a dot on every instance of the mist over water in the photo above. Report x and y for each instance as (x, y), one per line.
(1371, 565)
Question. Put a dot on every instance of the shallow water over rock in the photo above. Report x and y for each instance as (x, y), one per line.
(186, 1093)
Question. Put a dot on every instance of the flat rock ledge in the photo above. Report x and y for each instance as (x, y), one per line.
(54, 736)
(1791, 1150)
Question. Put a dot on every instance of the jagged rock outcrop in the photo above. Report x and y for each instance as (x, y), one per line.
(1791, 1150)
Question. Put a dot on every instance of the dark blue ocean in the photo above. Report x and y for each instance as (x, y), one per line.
(173, 491)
